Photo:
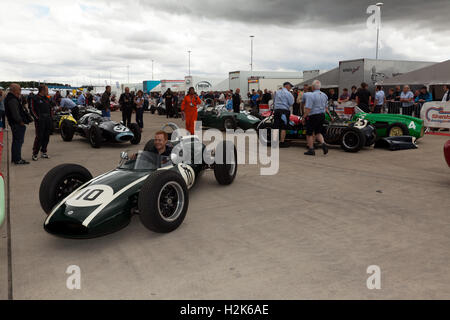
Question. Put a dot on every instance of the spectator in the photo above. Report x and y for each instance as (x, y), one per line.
(398, 93)
(333, 96)
(189, 107)
(446, 93)
(126, 105)
(345, 97)
(17, 119)
(42, 114)
(229, 102)
(282, 106)
(296, 106)
(2, 109)
(237, 101)
(139, 102)
(81, 100)
(57, 98)
(424, 96)
(68, 104)
(391, 96)
(314, 119)
(407, 100)
(168, 100)
(307, 90)
(363, 98)
(266, 97)
(379, 100)
(105, 103)
(354, 94)
(254, 98)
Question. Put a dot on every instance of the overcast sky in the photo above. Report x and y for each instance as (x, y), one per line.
(88, 41)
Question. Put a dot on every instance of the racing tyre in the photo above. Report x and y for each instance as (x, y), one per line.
(67, 130)
(229, 123)
(225, 168)
(397, 130)
(163, 201)
(265, 138)
(60, 182)
(136, 132)
(95, 136)
(352, 140)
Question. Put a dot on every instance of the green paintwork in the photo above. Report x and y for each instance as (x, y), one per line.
(382, 121)
(214, 118)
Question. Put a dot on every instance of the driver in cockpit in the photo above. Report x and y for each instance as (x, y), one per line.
(160, 144)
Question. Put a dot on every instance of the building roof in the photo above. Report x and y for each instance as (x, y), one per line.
(329, 79)
(438, 73)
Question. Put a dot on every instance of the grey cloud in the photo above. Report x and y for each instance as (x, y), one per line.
(320, 13)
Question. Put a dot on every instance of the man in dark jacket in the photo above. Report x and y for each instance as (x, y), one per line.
(16, 119)
(126, 102)
(105, 103)
(42, 113)
(168, 100)
(237, 101)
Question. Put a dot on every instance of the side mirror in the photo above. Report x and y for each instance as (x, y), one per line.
(124, 155)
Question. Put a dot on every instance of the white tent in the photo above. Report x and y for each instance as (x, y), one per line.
(436, 74)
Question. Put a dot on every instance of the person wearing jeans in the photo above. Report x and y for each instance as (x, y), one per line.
(139, 101)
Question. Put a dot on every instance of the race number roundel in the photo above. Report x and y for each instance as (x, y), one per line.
(91, 196)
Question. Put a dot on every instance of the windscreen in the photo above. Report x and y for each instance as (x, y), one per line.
(145, 160)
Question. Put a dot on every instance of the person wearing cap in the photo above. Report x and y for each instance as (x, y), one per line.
(314, 118)
(282, 111)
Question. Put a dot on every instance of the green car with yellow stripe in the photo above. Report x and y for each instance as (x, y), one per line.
(393, 125)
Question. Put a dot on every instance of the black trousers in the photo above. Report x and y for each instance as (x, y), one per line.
(18, 136)
(44, 127)
(126, 116)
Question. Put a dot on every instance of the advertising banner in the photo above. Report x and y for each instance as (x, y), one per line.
(436, 114)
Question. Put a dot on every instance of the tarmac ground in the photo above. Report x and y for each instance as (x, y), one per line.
(309, 232)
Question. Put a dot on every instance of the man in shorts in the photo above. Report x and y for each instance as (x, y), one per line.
(314, 119)
(282, 111)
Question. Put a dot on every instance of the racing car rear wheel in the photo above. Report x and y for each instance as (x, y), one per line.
(60, 182)
(67, 130)
(163, 201)
(397, 130)
(353, 140)
(225, 168)
(229, 123)
(95, 136)
(136, 132)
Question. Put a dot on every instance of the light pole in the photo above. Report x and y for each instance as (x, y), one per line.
(152, 69)
(189, 62)
(251, 54)
(379, 5)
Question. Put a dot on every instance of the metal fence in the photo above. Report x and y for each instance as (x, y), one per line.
(395, 107)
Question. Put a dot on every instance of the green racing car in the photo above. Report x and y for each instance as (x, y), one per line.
(392, 125)
(220, 118)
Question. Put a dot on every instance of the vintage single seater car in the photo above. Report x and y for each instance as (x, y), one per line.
(393, 125)
(99, 130)
(220, 118)
(351, 136)
(151, 185)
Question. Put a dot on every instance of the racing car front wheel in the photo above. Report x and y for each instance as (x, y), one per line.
(60, 182)
(163, 201)
(67, 130)
(225, 167)
(353, 140)
(136, 132)
(397, 130)
(95, 136)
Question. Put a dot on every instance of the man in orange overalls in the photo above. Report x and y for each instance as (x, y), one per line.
(189, 107)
